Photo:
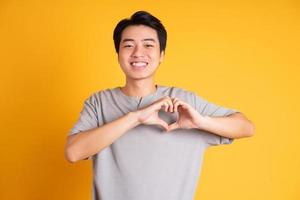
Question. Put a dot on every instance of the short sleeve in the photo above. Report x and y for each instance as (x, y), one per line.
(206, 108)
(88, 118)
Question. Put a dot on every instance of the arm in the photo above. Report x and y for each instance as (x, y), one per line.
(87, 143)
(235, 125)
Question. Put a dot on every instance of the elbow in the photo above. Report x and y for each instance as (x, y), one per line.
(70, 150)
(70, 155)
(250, 130)
(246, 127)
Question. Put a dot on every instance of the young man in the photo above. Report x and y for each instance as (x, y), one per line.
(146, 140)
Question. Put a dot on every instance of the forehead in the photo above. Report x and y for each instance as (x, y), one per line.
(139, 32)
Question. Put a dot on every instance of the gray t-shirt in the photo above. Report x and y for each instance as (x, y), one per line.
(146, 163)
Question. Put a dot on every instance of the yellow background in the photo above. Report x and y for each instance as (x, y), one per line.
(53, 55)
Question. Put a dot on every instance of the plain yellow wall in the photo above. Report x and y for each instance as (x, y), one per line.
(53, 55)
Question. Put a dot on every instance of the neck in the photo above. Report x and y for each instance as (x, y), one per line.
(139, 88)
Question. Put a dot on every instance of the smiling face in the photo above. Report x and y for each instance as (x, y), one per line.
(139, 52)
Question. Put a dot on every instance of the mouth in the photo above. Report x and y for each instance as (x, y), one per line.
(139, 64)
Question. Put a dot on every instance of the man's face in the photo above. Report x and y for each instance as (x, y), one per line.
(139, 52)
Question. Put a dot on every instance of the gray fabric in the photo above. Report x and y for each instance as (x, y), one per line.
(146, 163)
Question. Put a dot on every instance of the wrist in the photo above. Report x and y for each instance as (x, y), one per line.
(203, 120)
(134, 116)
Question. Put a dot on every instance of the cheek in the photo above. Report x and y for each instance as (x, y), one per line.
(121, 57)
(155, 57)
(124, 54)
(153, 53)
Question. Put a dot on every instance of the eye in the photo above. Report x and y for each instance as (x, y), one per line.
(127, 46)
(149, 45)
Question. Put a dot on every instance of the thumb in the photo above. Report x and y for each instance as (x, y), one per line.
(163, 124)
(173, 126)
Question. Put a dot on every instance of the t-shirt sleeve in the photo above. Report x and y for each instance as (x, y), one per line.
(206, 108)
(88, 118)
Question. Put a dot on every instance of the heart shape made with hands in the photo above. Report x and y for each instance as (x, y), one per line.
(188, 117)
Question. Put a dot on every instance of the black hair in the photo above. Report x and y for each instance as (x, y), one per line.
(141, 18)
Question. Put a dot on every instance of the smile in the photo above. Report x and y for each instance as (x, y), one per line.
(139, 64)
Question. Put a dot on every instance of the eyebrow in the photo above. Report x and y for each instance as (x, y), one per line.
(131, 40)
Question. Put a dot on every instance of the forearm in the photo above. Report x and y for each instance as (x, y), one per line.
(234, 126)
(88, 143)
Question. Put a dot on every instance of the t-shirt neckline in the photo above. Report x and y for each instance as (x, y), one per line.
(135, 98)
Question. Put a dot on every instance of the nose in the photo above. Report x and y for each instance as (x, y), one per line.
(137, 51)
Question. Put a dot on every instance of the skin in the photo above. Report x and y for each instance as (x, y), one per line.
(140, 43)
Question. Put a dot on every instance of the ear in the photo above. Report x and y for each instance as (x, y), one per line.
(162, 55)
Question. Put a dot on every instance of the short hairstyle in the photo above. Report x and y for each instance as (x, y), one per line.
(141, 18)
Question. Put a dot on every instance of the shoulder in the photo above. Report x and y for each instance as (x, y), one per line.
(96, 96)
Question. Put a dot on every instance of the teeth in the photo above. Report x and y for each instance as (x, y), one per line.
(139, 64)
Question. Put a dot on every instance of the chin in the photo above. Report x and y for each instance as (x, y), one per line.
(138, 77)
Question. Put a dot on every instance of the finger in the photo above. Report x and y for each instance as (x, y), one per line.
(173, 126)
(184, 105)
(163, 124)
(164, 106)
(176, 104)
(181, 104)
(173, 102)
(161, 103)
(169, 104)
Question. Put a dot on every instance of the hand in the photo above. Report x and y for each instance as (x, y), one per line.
(188, 117)
(149, 114)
